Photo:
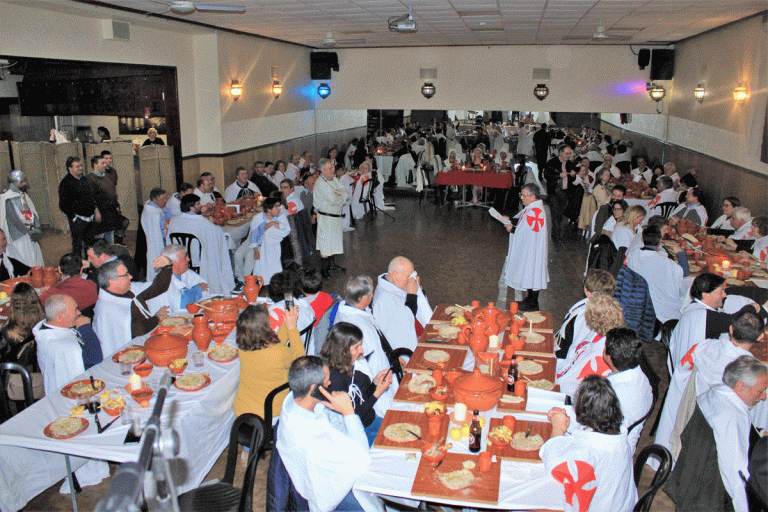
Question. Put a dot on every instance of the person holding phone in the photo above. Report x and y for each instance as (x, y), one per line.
(350, 372)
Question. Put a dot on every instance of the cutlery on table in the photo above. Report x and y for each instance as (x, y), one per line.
(529, 431)
(108, 425)
(99, 430)
(414, 434)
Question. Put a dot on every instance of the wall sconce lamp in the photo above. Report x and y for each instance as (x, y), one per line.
(428, 75)
(740, 94)
(277, 89)
(699, 92)
(428, 90)
(656, 92)
(324, 90)
(235, 89)
(541, 91)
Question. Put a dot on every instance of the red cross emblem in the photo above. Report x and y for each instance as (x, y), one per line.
(580, 487)
(536, 221)
(292, 208)
(28, 215)
(764, 254)
(687, 360)
(597, 366)
(276, 318)
(655, 201)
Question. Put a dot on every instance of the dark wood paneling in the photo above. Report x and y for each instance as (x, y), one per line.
(717, 178)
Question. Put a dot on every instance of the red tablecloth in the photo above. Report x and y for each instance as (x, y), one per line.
(482, 179)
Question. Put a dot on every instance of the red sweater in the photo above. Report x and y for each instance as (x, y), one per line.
(84, 291)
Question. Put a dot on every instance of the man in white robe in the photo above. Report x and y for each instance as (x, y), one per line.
(292, 171)
(400, 307)
(186, 285)
(321, 443)
(355, 309)
(204, 192)
(154, 221)
(174, 202)
(213, 257)
(260, 253)
(741, 221)
(691, 209)
(20, 221)
(666, 194)
(242, 187)
(527, 265)
(329, 198)
(642, 171)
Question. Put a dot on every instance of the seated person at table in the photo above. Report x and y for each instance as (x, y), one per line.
(602, 314)
(623, 354)
(664, 276)
(715, 442)
(743, 238)
(399, 305)
(350, 372)
(641, 171)
(260, 253)
(618, 208)
(723, 222)
(17, 344)
(574, 326)
(322, 442)
(311, 286)
(242, 187)
(281, 284)
(265, 357)
(121, 313)
(760, 232)
(84, 291)
(174, 202)
(9, 267)
(666, 194)
(215, 264)
(595, 463)
(66, 343)
(605, 211)
(186, 285)
(692, 209)
(101, 252)
(628, 228)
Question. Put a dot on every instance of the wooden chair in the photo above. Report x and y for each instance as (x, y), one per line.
(659, 478)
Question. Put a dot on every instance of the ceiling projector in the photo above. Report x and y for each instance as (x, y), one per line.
(406, 26)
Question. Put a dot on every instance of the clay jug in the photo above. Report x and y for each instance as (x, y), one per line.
(50, 276)
(491, 313)
(252, 287)
(478, 343)
(479, 324)
(36, 273)
(513, 308)
(462, 338)
(201, 334)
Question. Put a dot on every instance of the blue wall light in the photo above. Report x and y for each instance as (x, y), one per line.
(324, 90)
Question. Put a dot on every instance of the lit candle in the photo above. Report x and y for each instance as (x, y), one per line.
(460, 412)
(493, 342)
(726, 265)
(135, 382)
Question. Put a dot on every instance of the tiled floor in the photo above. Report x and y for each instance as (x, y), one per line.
(458, 254)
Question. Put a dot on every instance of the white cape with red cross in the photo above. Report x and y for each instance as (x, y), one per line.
(526, 267)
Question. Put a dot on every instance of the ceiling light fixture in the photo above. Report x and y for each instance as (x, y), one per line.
(699, 92)
(323, 90)
(235, 89)
(541, 91)
(740, 94)
(428, 90)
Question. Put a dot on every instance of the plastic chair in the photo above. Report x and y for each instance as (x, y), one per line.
(188, 240)
(659, 479)
(223, 495)
(665, 209)
(269, 403)
(394, 361)
(5, 402)
(306, 335)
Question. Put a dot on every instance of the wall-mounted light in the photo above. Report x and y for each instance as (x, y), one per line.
(277, 89)
(323, 90)
(656, 92)
(699, 92)
(235, 89)
(428, 90)
(740, 93)
(541, 91)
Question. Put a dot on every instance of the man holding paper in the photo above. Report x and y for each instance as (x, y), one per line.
(526, 266)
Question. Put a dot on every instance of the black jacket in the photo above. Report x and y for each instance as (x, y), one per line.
(76, 197)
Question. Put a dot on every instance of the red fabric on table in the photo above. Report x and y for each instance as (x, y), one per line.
(481, 179)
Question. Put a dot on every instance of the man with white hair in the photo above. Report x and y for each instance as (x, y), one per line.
(717, 436)
(399, 305)
(20, 222)
(670, 170)
(186, 285)
(741, 221)
(154, 218)
(608, 164)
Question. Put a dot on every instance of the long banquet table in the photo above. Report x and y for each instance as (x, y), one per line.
(32, 462)
(480, 179)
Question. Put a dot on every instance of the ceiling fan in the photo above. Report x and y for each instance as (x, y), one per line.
(184, 7)
(331, 42)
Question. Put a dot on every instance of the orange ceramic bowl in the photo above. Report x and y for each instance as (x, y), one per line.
(178, 370)
(142, 396)
(433, 457)
(143, 369)
(112, 411)
(438, 393)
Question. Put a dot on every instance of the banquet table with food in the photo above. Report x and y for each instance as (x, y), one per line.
(477, 178)
(198, 407)
(460, 365)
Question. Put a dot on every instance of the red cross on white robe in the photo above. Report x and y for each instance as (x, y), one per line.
(536, 221)
(276, 318)
(687, 360)
(579, 487)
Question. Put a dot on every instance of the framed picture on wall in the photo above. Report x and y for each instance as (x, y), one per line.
(140, 125)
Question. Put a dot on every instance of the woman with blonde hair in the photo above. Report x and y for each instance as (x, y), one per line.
(628, 227)
(602, 314)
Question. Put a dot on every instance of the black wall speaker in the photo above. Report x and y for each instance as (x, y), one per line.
(321, 64)
(662, 64)
(643, 57)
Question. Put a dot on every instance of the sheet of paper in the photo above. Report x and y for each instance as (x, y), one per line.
(496, 215)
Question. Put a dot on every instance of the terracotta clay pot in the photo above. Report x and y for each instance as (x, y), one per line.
(163, 348)
(36, 275)
(252, 287)
(478, 343)
(201, 334)
(478, 391)
(50, 276)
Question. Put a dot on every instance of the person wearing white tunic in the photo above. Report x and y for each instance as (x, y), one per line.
(760, 232)
(628, 227)
(663, 275)
(186, 285)
(20, 221)
(154, 218)
(725, 408)
(329, 198)
(292, 171)
(213, 257)
(623, 353)
(527, 264)
(321, 443)
(666, 194)
(174, 202)
(400, 307)
(346, 180)
(242, 187)
(204, 191)
(260, 253)
(691, 209)
(724, 221)
(594, 464)
(355, 309)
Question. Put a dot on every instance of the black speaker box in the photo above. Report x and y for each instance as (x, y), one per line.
(643, 58)
(662, 64)
(321, 64)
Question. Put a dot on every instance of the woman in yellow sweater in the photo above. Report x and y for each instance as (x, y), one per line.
(265, 357)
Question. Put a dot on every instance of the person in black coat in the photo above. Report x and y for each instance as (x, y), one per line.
(541, 141)
(76, 201)
(559, 177)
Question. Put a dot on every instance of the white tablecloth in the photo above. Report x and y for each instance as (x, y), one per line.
(235, 234)
(384, 163)
(32, 462)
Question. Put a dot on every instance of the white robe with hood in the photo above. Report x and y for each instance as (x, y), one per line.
(112, 319)
(526, 266)
(23, 248)
(394, 318)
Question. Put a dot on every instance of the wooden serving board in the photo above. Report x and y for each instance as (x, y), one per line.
(546, 347)
(417, 418)
(510, 407)
(418, 364)
(549, 365)
(545, 326)
(403, 394)
(440, 316)
(431, 337)
(542, 428)
(483, 489)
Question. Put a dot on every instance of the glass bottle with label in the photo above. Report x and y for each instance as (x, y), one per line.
(475, 433)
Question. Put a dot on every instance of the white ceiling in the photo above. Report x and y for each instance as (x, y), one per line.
(467, 22)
